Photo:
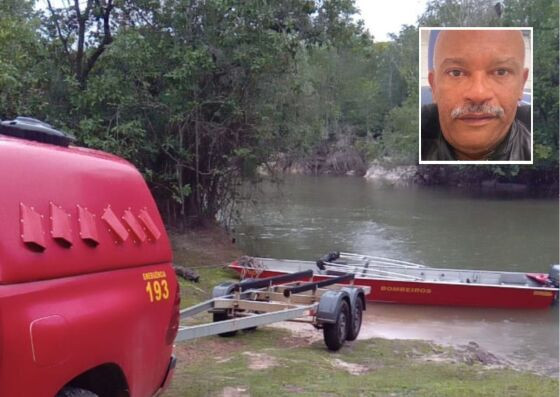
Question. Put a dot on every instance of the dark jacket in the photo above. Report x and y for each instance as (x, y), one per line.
(516, 146)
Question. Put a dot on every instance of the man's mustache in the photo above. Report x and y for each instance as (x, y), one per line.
(479, 109)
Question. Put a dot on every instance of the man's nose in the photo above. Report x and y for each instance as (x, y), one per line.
(478, 91)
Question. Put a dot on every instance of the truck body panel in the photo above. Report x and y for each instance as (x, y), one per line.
(74, 181)
(86, 278)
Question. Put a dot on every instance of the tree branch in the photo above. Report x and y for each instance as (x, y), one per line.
(59, 31)
(82, 19)
(107, 39)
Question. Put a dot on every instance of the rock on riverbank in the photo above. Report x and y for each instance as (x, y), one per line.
(396, 175)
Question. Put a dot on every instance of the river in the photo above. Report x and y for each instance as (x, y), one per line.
(306, 217)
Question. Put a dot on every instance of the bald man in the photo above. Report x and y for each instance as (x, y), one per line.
(477, 80)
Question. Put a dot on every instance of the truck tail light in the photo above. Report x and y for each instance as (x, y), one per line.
(175, 316)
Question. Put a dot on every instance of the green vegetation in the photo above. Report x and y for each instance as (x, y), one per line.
(207, 251)
(192, 293)
(380, 368)
(198, 94)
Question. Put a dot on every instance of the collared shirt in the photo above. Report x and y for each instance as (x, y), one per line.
(516, 146)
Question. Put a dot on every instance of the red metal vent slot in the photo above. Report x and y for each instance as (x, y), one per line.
(116, 226)
(60, 226)
(32, 232)
(88, 228)
(134, 226)
(151, 228)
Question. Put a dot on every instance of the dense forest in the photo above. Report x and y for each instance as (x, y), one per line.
(199, 93)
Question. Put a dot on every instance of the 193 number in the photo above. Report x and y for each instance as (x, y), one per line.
(157, 290)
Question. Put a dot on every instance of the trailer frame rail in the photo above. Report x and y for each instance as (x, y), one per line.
(328, 306)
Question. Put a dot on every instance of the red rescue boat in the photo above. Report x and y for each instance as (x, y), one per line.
(394, 281)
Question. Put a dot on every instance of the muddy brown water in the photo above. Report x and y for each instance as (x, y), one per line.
(309, 216)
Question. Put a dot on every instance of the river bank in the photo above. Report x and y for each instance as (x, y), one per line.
(342, 158)
(523, 182)
(293, 360)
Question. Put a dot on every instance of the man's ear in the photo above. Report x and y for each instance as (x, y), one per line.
(431, 80)
(525, 76)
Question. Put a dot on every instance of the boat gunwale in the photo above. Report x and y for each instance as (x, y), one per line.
(442, 282)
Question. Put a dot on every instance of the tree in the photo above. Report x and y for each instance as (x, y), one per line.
(461, 13)
(177, 88)
(543, 16)
(21, 55)
(84, 33)
(400, 136)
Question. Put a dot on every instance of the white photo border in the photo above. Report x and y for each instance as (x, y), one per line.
(466, 162)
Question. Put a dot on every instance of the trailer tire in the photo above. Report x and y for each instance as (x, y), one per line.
(355, 322)
(336, 333)
(75, 392)
(223, 316)
(246, 280)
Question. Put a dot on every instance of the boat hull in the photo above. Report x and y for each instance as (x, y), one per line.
(435, 293)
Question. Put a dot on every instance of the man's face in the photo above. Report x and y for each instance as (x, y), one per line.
(478, 78)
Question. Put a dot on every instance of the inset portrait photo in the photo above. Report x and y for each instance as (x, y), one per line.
(476, 96)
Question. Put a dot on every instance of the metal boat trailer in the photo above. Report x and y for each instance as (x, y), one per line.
(327, 305)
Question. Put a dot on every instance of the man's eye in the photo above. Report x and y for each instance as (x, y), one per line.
(501, 72)
(455, 73)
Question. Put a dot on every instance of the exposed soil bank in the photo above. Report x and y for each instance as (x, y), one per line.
(342, 158)
(481, 180)
(327, 158)
(394, 175)
(287, 361)
(507, 178)
(204, 246)
(270, 361)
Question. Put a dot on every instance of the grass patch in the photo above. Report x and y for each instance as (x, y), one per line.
(193, 293)
(393, 369)
(207, 251)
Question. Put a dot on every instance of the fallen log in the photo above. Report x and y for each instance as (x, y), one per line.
(186, 273)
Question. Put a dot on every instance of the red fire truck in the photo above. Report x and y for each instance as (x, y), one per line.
(89, 302)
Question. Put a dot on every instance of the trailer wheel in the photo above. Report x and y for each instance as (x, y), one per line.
(246, 280)
(355, 322)
(335, 334)
(75, 392)
(222, 316)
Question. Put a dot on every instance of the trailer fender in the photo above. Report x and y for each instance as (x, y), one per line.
(328, 305)
(223, 289)
(355, 293)
(228, 288)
